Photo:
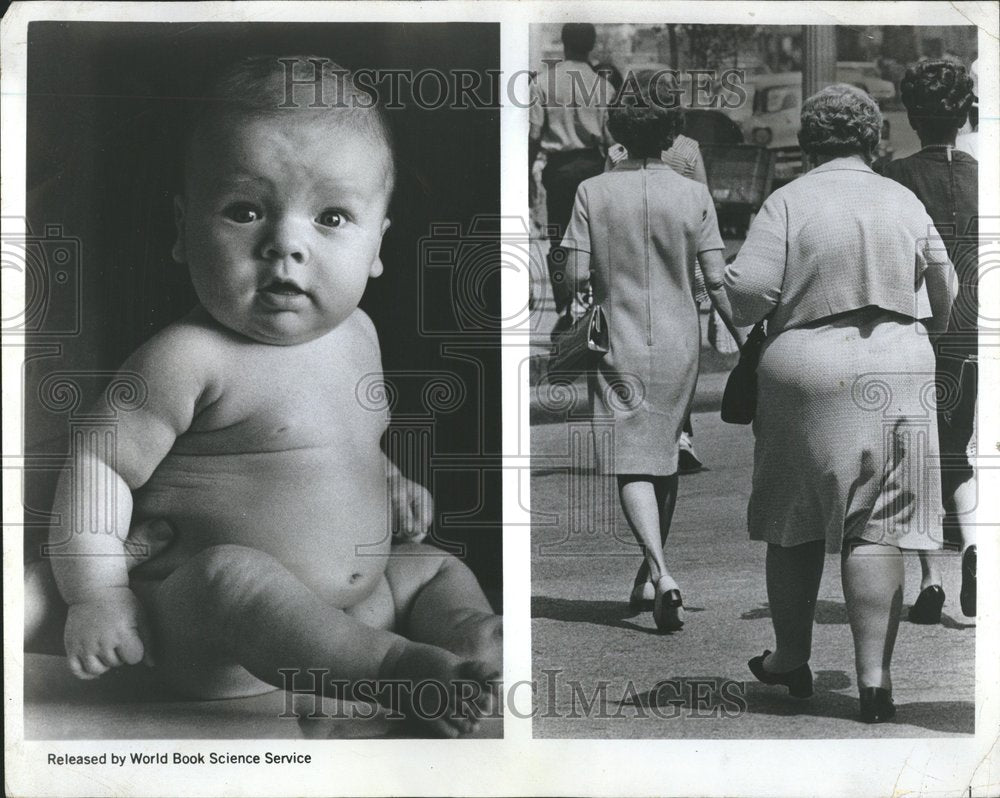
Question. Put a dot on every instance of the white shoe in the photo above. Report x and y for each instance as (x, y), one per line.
(687, 460)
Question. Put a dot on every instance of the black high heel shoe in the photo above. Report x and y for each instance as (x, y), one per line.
(968, 595)
(799, 681)
(876, 705)
(668, 609)
(927, 608)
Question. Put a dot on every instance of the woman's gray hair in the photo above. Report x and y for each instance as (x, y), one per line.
(840, 120)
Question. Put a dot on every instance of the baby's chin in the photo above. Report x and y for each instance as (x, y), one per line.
(274, 330)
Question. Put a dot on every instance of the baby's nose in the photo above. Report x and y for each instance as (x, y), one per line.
(285, 240)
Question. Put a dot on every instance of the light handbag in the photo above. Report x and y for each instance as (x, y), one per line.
(739, 400)
(579, 348)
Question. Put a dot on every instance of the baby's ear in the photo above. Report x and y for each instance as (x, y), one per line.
(377, 267)
(178, 253)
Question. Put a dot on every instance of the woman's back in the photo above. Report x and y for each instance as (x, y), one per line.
(839, 238)
(647, 225)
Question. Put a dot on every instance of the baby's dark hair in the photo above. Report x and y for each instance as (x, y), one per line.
(276, 85)
(937, 95)
(645, 127)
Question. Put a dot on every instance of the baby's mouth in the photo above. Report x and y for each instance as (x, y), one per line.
(281, 287)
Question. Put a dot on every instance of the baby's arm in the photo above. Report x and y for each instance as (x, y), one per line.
(105, 625)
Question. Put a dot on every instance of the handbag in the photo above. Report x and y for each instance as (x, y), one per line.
(739, 400)
(578, 348)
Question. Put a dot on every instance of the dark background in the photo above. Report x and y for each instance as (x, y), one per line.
(105, 117)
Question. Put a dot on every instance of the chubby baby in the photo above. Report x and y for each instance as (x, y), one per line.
(253, 445)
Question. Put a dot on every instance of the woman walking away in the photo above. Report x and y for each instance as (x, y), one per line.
(637, 232)
(938, 96)
(846, 447)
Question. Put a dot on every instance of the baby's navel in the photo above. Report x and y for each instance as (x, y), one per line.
(355, 578)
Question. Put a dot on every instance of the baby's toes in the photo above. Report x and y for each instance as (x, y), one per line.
(487, 680)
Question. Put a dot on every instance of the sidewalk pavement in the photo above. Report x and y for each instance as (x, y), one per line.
(603, 671)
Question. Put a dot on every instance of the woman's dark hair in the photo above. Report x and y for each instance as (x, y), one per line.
(938, 96)
(840, 120)
(645, 128)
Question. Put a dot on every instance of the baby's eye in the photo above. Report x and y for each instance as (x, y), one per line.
(330, 218)
(243, 213)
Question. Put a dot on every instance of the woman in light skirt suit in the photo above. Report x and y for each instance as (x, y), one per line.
(853, 280)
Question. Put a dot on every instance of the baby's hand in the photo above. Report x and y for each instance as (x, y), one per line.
(412, 508)
(106, 632)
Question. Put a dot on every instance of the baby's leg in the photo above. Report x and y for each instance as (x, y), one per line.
(231, 619)
(439, 601)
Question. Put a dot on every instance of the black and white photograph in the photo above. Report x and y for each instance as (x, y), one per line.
(261, 382)
(754, 380)
(500, 397)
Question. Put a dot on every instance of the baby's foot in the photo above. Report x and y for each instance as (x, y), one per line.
(476, 635)
(441, 690)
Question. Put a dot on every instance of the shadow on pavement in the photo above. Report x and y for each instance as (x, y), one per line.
(951, 717)
(827, 612)
(835, 612)
(715, 696)
(950, 623)
(704, 696)
(616, 614)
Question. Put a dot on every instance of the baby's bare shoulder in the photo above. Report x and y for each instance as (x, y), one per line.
(362, 325)
(360, 330)
(183, 359)
(186, 343)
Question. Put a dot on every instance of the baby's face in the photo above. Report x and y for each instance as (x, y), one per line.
(281, 223)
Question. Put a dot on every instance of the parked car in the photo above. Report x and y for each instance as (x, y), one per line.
(867, 77)
(775, 103)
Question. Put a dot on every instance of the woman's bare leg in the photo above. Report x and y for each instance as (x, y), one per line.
(666, 498)
(930, 573)
(665, 489)
(793, 574)
(962, 504)
(642, 511)
(872, 576)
